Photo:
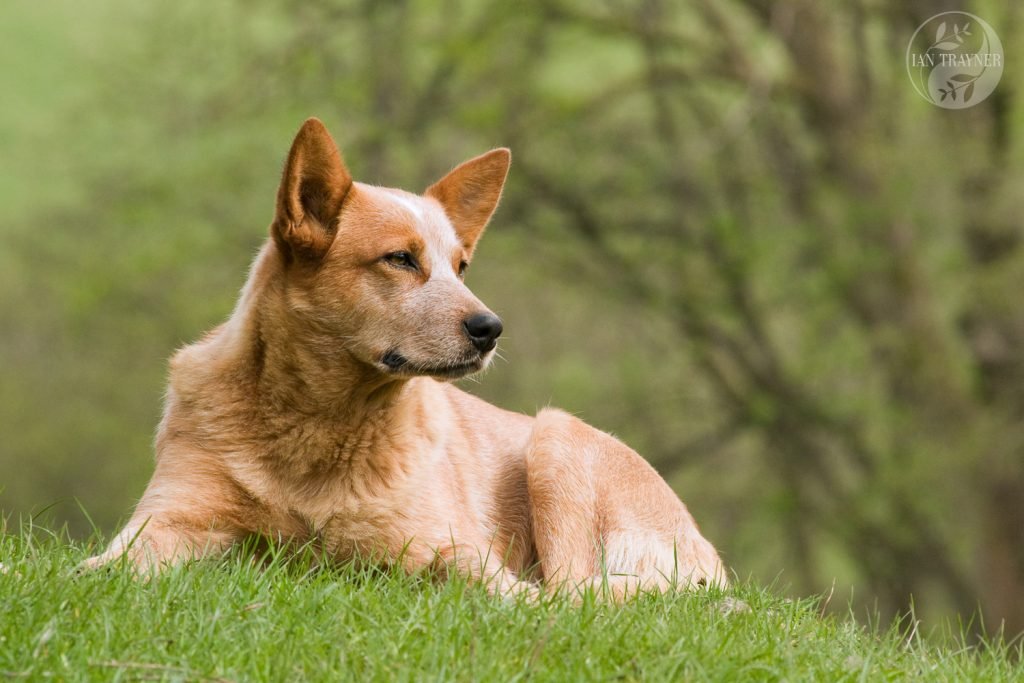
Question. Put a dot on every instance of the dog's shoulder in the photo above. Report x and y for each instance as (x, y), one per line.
(484, 424)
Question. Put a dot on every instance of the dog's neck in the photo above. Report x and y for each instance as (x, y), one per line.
(298, 369)
(306, 376)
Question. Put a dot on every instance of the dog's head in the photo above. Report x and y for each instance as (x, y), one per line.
(378, 271)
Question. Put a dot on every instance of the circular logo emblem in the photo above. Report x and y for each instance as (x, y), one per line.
(955, 60)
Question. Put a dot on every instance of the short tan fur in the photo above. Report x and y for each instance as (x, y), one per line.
(323, 410)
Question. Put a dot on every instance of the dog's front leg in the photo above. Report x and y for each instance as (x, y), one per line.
(153, 543)
(188, 511)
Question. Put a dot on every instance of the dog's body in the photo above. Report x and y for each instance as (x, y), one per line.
(316, 411)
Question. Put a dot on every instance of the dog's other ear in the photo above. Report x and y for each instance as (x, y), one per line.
(470, 193)
(313, 188)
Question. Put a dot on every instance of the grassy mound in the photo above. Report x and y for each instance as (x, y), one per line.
(287, 620)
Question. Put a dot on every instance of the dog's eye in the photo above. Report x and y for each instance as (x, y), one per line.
(401, 259)
(462, 268)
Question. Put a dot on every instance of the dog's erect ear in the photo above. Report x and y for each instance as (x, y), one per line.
(470, 193)
(313, 188)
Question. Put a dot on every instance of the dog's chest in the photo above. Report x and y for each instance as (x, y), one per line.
(330, 482)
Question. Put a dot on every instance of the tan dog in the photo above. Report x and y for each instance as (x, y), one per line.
(321, 411)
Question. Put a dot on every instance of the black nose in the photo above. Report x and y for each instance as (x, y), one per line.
(483, 330)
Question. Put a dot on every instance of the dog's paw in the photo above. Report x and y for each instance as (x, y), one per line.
(90, 565)
(518, 590)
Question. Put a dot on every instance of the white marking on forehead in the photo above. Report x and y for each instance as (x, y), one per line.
(442, 242)
(433, 225)
(406, 204)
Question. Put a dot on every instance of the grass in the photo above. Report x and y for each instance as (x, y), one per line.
(233, 620)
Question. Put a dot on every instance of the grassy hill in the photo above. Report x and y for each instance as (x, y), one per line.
(231, 620)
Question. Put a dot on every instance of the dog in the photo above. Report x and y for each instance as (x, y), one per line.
(323, 411)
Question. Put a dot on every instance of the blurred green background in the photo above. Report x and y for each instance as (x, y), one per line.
(733, 235)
